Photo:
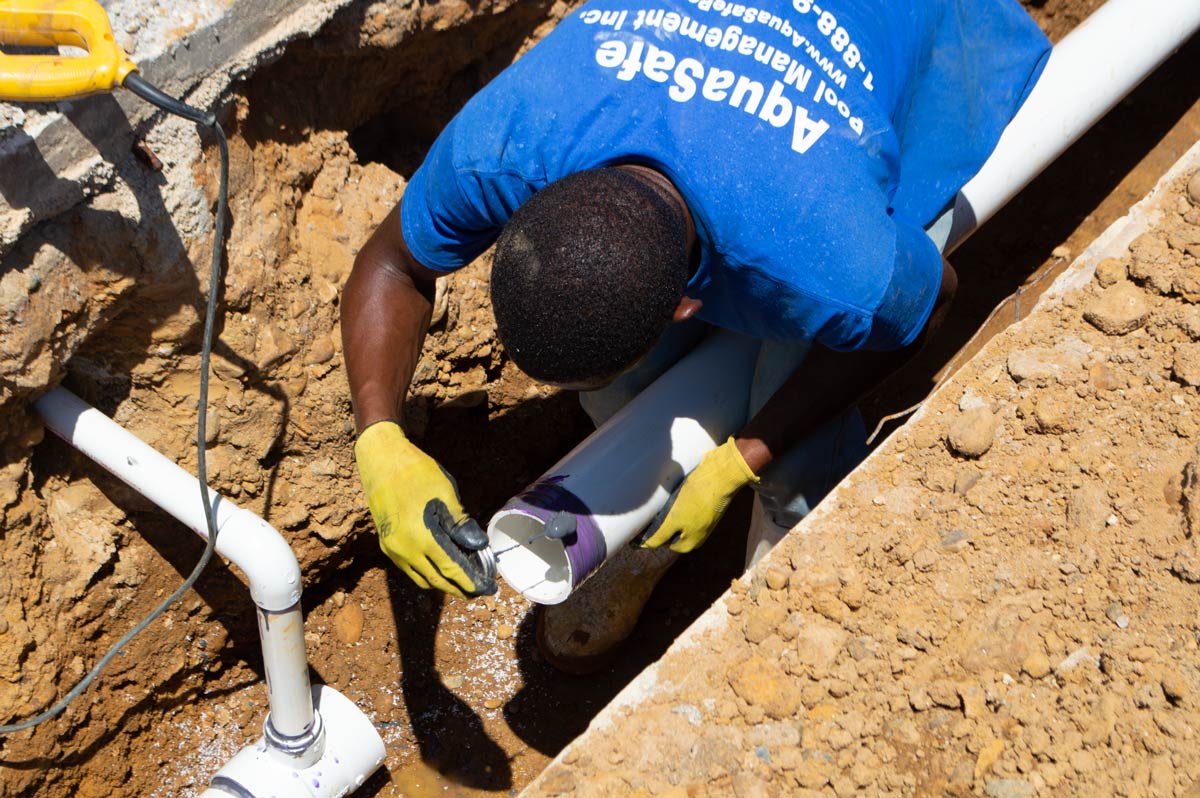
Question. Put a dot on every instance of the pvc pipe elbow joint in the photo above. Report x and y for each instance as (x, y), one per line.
(249, 542)
(263, 556)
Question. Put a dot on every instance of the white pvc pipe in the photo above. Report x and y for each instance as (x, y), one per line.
(316, 743)
(285, 664)
(243, 538)
(617, 479)
(252, 545)
(1088, 72)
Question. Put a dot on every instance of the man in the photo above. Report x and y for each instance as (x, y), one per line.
(652, 168)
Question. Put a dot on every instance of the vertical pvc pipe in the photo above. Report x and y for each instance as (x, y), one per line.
(617, 479)
(286, 666)
(353, 751)
(1088, 73)
(246, 540)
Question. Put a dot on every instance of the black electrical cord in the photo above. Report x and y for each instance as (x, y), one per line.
(140, 87)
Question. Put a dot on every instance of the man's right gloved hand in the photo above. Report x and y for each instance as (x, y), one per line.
(416, 507)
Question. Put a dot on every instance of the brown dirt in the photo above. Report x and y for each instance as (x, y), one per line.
(1004, 604)
(458, 690)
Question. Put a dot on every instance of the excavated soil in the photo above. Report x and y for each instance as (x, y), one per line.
(1004, 566)
(1004, 605)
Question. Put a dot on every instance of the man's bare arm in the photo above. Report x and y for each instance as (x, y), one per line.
(827, 383)
(385, 312)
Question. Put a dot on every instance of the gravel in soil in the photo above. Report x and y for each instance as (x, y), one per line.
(458, 690)
(1005, 604)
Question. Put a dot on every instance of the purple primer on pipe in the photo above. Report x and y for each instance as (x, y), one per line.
(586, 549)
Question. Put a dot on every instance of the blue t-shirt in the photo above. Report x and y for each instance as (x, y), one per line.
(812, 140)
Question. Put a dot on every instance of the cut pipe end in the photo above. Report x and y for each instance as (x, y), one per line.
(540, 571)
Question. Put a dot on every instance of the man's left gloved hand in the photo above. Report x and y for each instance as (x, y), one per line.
(699, 502)
(422, 525)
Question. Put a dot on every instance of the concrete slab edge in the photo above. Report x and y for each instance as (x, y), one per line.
(52, 162)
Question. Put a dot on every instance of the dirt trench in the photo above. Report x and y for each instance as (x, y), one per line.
(1001, 601)
(458, 691)
(188, 694)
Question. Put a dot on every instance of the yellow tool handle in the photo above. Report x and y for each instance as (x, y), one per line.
(54, 23)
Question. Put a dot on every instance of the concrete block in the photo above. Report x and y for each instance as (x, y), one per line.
(54, 156)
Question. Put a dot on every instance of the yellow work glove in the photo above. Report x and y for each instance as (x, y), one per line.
(421, 522)
(699, 502)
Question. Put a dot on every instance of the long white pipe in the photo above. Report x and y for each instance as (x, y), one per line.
(1088, 72)
(615, 481)
(243, 538)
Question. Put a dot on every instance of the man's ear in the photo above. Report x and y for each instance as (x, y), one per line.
(686, 308)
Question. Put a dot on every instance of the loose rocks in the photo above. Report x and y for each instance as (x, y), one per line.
(1186, 366)
(348, 623)
(1048, 364)
(1187, 283)
(1110, 272)
(1118, 310)
(763, 684)
(1037, 665)
(972, 433)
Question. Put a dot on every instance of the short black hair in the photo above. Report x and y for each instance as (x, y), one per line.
(586, 276)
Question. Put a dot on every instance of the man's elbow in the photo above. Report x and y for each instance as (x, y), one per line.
(385, 258)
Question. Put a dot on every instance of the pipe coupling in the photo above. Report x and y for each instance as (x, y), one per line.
(301, 751)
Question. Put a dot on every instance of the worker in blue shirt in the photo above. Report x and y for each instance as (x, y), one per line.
(655, 168)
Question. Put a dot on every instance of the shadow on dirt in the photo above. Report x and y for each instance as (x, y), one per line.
(685, 592)
(450, 735)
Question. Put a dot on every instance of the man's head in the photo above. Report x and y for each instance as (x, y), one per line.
(587, 275)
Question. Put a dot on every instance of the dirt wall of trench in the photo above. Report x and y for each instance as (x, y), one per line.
(107, 299)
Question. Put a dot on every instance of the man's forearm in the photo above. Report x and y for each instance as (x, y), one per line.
(385, 312)
(825, 385)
